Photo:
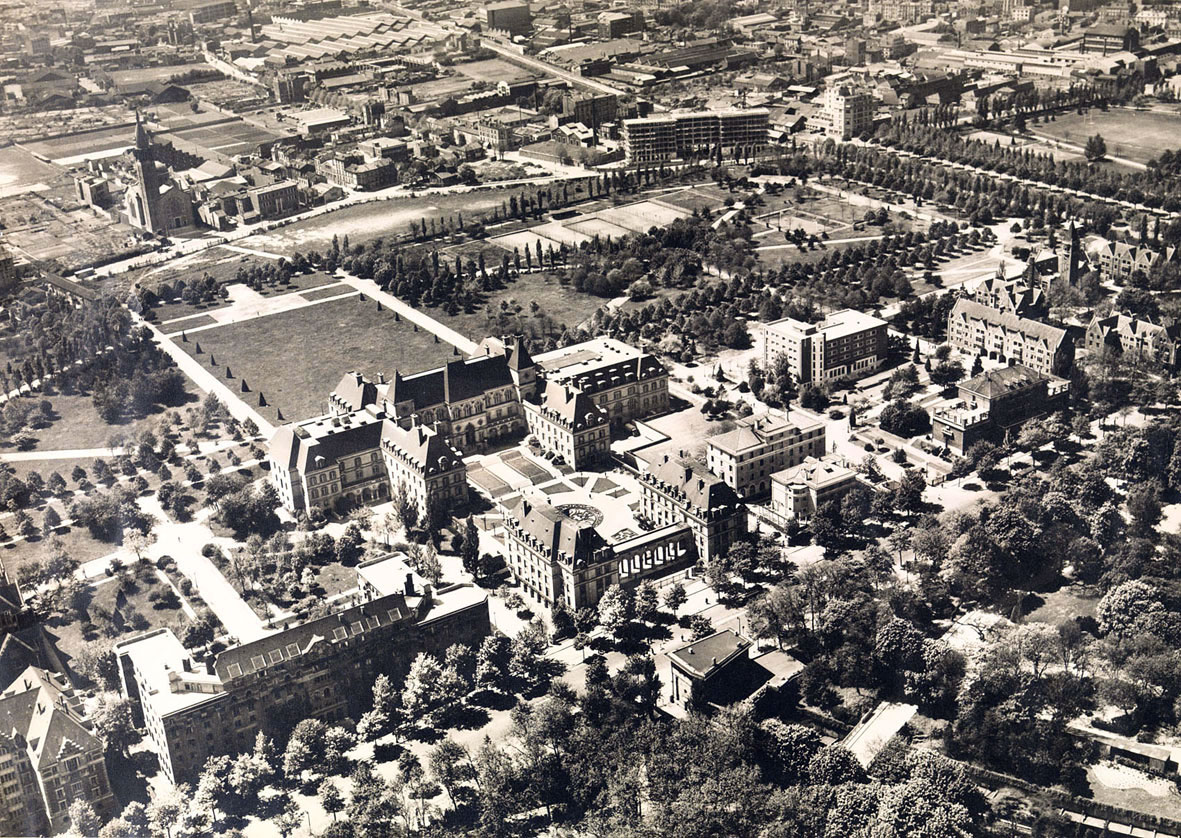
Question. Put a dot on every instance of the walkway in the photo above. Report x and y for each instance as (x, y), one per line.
(371, 290)
(63, 454)
(250, 304)
(207, 381)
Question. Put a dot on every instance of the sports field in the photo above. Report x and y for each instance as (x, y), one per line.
(21, 172)
(72, 148)
(227, 138)
(297, 357)
(1136, 135)
(493, 70)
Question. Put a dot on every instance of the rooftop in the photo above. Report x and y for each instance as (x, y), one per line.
(753, 431)
(815, 473)
(706, 656)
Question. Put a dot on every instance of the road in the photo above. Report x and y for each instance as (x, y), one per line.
(550, 70)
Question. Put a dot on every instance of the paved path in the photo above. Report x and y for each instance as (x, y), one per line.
(371, 290)
(249, 310)
(183, 542)
(207, 381)
(250, 251)
(64, 454)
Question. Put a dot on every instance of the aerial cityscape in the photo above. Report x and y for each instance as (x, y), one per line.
(590, 418)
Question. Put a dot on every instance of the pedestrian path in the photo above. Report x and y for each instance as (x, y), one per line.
(371, 289)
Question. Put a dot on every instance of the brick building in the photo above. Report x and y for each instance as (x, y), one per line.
(1136, 339)
(995, 404)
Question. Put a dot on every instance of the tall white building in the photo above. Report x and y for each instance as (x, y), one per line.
(849, 112)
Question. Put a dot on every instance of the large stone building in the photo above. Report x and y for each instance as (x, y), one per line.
(746, 457)
(677, 490)
(732, 133)
(797, 492)
(1001, 335)
(1012, 295)
(846, 344)
(154, 203)
(49, 756)
(322, 669)
(568, 399)
(995, 404)
(1122, 261)
(1136, 339)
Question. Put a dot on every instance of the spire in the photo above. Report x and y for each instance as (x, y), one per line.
(142, 140)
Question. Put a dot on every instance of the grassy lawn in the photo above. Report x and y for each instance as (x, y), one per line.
(176, 308)
(335, 578)
(144, 605)
(1136, 135)
(331, 338)
(77, 541)
(558, 305)
(1064, 605)
(78, 425)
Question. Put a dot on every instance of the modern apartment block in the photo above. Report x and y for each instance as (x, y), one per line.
(322, 669)
(994, 404)
(734, 133)
(746, 457)
(797, 492)
(1002, 335)
(49, 756)
(848, 111)
(847, 343)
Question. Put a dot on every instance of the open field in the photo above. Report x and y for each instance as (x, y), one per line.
(77, 541)
(557, 305)
(493, 70)
(329, 339)
(178, 309)
(20, 171)
(699, 197)
(1136, 135)
(95, 143)
(228, 138)
(41, 230)
(144, 75)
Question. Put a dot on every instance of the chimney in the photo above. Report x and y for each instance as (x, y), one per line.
(409, 584)
(381, 378)
(187, 664)
(713, 661)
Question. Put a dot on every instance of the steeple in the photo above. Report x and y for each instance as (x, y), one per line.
(143, 142)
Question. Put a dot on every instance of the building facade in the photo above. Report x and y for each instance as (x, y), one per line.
(1136, 339)
(732, 133)
(423, 467)
(1121, 261)
(511, 16)
(797, 492)
(747, 457)
(848, 112)
(626, 382)
(995, 404)
(676, 490)
(321, 669)
(982, 330)
(846, 344)
(154, 203)
(49, 756)
(568, 423)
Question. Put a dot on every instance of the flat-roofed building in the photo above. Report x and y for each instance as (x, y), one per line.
(698, 664)
(734, 133)
(846, 344)
(1001, 335)
(849, 112)
(996, 404)
(321, 669)
(797, 492)
(746, 457)
(512, 16)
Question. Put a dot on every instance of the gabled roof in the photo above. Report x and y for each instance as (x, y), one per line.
(356, 391)
(558, 535)
(997, 383)
(42, 707)
(1051, 336)
(701, 488)
(571, 406)
(423, 446)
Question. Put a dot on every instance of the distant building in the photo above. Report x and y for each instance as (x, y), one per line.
(1136, 339)
(619, 24)
(323, 669)
(213, 12)
(732, 133)
(511, 16)
(11, 602)
(849, 112)
(8, 274)
(747, 457)
(1105, 39)
(591, 109)
(155, 203)
(846, 344)
(1003, 336)
(385, 148)
(995, 404)
(49, 756)
(678, 490)
(797, 492)
(355, 172)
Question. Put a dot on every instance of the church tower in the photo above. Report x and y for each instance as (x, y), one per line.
(145, 208)
(1072, 262)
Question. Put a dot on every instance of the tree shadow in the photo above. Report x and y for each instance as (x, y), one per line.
(492, 700)
(464, 717)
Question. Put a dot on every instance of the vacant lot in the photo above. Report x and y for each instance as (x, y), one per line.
(20, 170)
(1136, 135)
(295, 358)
